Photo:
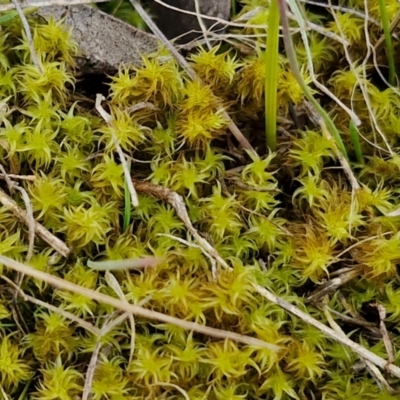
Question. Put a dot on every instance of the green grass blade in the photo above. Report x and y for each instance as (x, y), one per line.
(127, 204)
(291, 55)
(355, 138)
(389, 43)
(8, 16)
(233, 8)
(271, 75)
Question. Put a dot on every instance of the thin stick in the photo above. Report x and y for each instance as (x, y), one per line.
(189, 70)
(201, 24)
(376, 374)
(187, 243)
(385, 333)
(40, 230)
(94, 360)
(22, 177)
(134, 309)
(12, 186)
(28, 34)
(332, 285)
(176, 201)
(91, 370)
(381, 40)
(361, 351)
(114, 284)
(303, 23)
(358, 321)
(30, 221)
(84, 324)
(48, 3)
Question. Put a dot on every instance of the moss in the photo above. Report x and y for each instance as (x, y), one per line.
(286, 220)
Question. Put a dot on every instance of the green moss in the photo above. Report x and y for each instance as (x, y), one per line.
(286, 220)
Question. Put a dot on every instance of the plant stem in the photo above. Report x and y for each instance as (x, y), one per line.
(388, 40)
(356, 141)
(233, 8)
(271, 75)
(291, 55)
(127, 207)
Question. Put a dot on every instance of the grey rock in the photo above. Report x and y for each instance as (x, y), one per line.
(175, 23)
(104, 42)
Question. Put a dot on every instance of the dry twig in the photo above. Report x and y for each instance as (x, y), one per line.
(374, 371)
(176, 201)
(30, 221)
(358, 321)
(134, 309)
(91, 370)
(12, 186)
(109, 324)
(332, 285)
(378, 377)
(384, 333)
(201, 24)
(22, 177)
(94, 360)
(40, 230)
(28, 33)
(341, 338)
(189, 244)
(114, 284)
(84, 324)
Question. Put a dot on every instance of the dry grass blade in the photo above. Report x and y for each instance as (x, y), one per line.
(48, 3)
(114, 284)
(385, 333)
(84, 324)
(341, 338)
(176, 201)
(29, 210)
(355, 321)
(22, 177)
(332, 285)
(30, 221)
(378, 377)
(94, 360)
(184, 64)
(40, 230)
(376, 374)
(133, 309)
(303, 23)
(28, 34)
(91, 370)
